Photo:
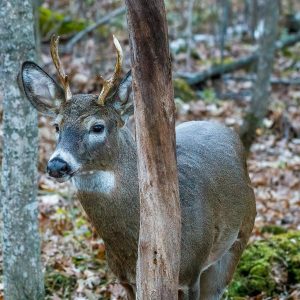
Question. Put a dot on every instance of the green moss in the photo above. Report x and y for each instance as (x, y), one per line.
(262, 269)
(294, 269)
(217, 61)
(273, 229)
(209, 96)
(50, 22)
(183, 91)
(268, 267)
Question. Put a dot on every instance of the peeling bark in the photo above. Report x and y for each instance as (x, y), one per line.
(160, 226)
(23, 278)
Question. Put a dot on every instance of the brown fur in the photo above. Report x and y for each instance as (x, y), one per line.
(217, 201)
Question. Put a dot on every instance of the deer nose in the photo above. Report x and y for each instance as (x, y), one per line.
(58, 168)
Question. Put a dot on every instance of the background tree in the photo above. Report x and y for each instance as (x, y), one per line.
(160, 226)
(267, 32)
(251, 14)
(23, 278)
(189, 33)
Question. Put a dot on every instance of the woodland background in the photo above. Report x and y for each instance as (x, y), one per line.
(204, 35)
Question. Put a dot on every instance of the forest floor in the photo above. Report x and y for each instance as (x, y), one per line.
(74, 256)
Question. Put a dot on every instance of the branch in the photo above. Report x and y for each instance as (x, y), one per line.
(273, 80)
(216, 71)
(106, 19)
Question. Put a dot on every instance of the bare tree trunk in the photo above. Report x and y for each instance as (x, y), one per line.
(160, 226)
(267, 30)
(23, 278)
(252, 15)
(189, 34)
(224, 8)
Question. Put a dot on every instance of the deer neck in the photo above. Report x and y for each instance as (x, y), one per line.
(112, 176)
(110, 196)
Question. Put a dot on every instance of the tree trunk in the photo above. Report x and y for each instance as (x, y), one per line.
(224, 9)
(251, 15)
(189, 34)
(23, 278)
(160, 225)
(267, 30)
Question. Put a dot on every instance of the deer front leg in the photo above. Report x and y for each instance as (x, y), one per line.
(130, 291)
(191, 292)
(194, 291)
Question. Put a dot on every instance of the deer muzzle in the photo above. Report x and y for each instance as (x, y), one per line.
(58, 168)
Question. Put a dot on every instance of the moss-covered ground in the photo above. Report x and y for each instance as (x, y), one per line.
(268, 267)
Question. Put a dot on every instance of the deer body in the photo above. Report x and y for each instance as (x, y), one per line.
(216, 201)
(97, 152)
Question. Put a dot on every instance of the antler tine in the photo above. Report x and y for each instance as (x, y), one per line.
(58, 65)
(109, 84)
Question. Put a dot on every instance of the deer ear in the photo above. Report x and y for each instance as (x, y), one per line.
(41, 90)
(123, 98)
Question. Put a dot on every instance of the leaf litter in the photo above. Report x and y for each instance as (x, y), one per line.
(73, 255)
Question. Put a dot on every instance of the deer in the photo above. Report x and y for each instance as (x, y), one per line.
(97, 152)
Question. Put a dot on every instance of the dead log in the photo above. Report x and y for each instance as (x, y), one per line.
(241, 63)
(273, 80)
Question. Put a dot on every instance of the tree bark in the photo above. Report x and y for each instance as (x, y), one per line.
(251, 15)
(267, 30)
(224, 8)
(160, 225)
(23, 278)
(189, 34)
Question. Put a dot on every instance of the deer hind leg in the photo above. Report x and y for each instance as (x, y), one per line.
(214, 280)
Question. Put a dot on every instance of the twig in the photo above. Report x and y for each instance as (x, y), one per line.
(216, 71)
(106, 19)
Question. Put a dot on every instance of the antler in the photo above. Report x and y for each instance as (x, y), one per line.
(108, 84)
(58, 65)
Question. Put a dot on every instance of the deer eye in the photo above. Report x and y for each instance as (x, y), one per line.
(56, 128)
(98, 128)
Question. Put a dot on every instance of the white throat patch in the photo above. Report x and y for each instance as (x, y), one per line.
(95, 182)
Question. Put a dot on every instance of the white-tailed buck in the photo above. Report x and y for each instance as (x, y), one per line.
(97, 152)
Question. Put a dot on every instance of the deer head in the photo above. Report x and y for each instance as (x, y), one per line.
(87, 125)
